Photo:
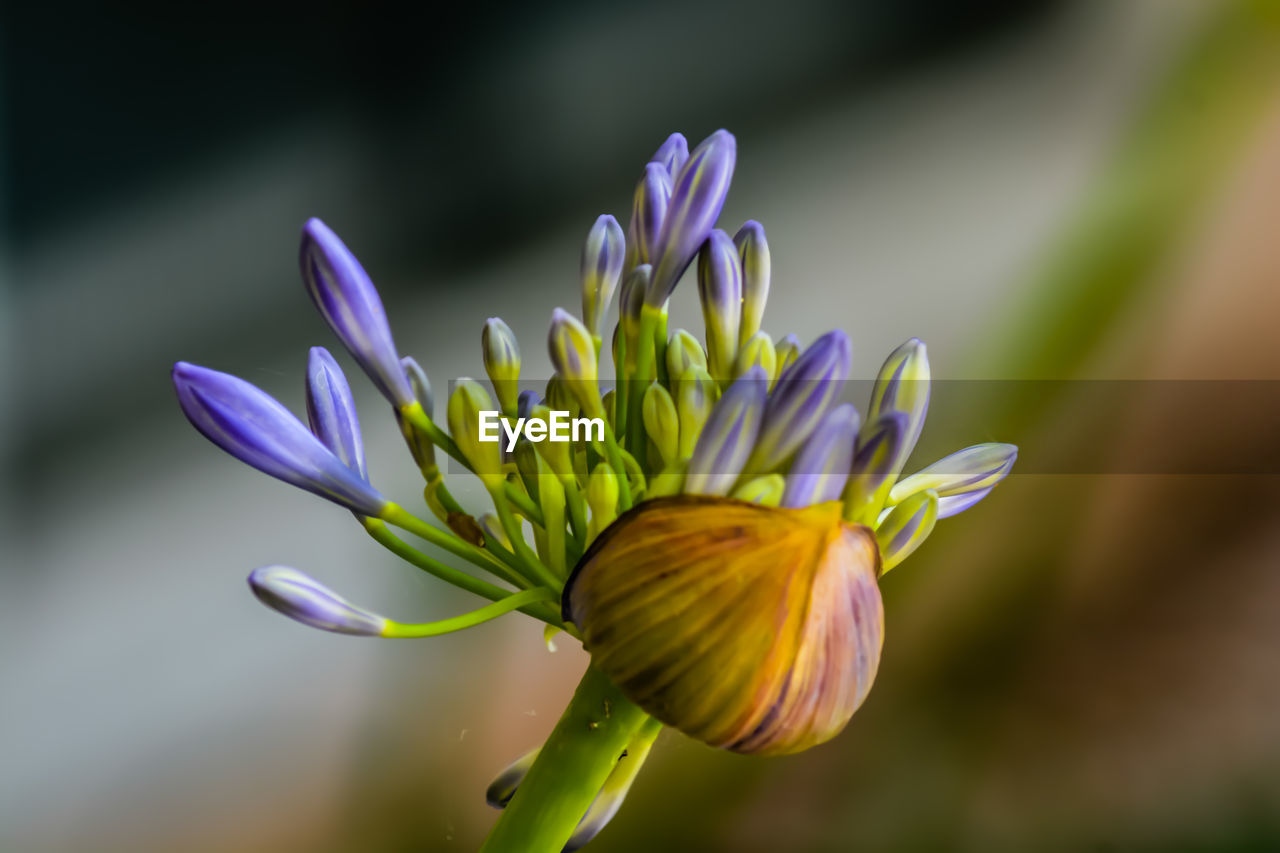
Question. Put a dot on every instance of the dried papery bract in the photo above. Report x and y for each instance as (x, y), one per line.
(751, 628)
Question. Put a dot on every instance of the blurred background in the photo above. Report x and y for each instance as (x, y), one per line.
(1043, 191)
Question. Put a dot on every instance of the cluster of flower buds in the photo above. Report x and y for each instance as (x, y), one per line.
(717, 546)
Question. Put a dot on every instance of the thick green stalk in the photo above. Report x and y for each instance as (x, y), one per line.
(570, 770)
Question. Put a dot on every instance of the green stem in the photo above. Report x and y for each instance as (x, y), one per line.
(378, 530)
(475, 617)
(541, 611)
(650, 318)
(570, 770)
(417, 416)
(533, 566)
(400, 517)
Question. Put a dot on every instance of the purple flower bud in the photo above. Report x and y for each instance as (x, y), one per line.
(501, 356)
(822, 466)
(803, 395)
(331, 411)
(872, 473)
(696, 394)
(602, 258)
(964, 473)
(420, 384)
(753, 252)
(504, 785)
(252, 426)
(903, 386)
(788, 350)
(346, 298)
(720, 291)
(684, 352)
(673, 154)
(956, 504)
(300, 596)
(697, 196)
(424, 452)
(648, 210)
(573, 355)
(905, 528)
(526, 403)
(727, 438)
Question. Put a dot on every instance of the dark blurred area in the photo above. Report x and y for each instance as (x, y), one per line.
(1054, 191)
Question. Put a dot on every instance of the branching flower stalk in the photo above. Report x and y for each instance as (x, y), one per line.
(717, 544)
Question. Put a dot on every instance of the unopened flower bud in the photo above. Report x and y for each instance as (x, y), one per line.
(648, 209)
(766, 490)
(821, 467)
(574, 357)
(974, 471)
(757, 351)
(903, 386)
(252, 426)
(872, 473)
(696, 394)
(720, 290)
(684, 353)
(466, 403)
(349, 303)
(420, 384)
(728, 436)
(303, 598)
(804, 394)
(602, 257)
(501, 362)
(672, 154)
(697, 196)
(661, 422)
(753, 252)
(331, 411)
(788, 350)
(602, 498)
(906, 527)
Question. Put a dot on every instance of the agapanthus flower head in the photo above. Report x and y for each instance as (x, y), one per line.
(717, 545)
(255, 428)
(349, 303)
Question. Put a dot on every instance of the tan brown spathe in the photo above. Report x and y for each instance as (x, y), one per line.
(755, 629)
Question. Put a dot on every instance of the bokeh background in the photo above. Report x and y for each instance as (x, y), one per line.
(1045, 192)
